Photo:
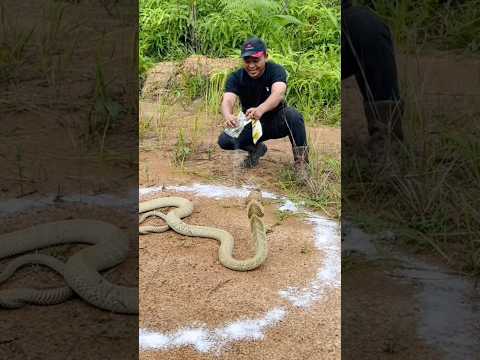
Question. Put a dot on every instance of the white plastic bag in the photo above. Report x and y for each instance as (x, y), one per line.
(242, 121)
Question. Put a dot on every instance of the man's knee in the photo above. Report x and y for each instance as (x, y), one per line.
(226, 142)
(294, 117)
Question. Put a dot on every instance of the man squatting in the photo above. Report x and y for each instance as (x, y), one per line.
(261, 86)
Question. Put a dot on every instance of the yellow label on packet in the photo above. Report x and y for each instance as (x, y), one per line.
(256, 130)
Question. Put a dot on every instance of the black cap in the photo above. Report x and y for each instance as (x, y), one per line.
(253, 47)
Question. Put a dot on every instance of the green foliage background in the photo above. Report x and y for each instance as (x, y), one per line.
(303, 36)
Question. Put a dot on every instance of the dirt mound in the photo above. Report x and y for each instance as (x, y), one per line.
(159, 79)
(202, 65)
(165, 75)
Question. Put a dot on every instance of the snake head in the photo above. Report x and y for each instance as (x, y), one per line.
(255, 195)
(254, 203)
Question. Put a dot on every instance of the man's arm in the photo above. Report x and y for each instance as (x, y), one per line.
(228, 104)
(276, 97)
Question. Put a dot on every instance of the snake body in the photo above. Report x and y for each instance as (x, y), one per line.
(109, 248)
(225, 251)
(82, 270)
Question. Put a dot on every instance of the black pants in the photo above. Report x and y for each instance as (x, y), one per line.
(285, 122)
(368, 54)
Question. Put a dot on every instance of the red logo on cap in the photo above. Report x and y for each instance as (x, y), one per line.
(257, 54)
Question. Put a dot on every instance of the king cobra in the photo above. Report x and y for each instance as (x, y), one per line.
(81, 271)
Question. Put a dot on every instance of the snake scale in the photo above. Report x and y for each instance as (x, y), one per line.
(109, 247)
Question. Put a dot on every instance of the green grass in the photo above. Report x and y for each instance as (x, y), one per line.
(13, 45)
(105, 112)
(431, 202)
(313, 85)
(322, 191)
(183, 149)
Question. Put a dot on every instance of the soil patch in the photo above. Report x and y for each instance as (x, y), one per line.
(303, 335)
(208, 162)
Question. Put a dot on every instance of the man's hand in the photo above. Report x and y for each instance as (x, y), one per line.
(231, 121)
(255, 113)
(279, 89)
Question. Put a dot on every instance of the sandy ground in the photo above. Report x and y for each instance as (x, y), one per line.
(182, 279)
(305, 335)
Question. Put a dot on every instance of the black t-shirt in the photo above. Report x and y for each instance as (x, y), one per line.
(253, 92)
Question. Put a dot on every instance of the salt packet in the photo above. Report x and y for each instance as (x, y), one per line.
(256, 130)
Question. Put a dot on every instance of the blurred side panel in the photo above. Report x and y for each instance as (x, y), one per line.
(68, 151)
(410, 179)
